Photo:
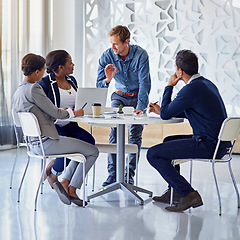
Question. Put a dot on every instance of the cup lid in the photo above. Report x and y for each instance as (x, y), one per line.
(96, 104)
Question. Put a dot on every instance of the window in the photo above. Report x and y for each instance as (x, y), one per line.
(24, 29)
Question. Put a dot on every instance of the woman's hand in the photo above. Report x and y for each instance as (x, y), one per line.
(79, 112)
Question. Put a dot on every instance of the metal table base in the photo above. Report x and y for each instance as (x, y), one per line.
(120, 184)
(126, 187)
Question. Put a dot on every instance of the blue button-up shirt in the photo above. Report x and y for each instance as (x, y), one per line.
(132, 75)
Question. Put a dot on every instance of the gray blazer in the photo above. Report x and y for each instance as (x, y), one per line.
(31, 98)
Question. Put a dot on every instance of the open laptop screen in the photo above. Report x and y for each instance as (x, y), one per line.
(90, 96)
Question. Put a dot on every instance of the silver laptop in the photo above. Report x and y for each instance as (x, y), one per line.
(90, 96)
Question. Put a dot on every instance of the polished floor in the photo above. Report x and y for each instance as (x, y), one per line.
(116, 216)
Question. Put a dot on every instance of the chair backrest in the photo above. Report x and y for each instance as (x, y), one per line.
(229, 132)
(230, 129)
(16, 124)
(29, 124)
(16, 120)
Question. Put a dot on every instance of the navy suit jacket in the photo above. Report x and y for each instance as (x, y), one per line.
(50, 87)
(199, 102)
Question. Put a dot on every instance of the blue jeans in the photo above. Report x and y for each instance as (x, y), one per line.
(71, 130)
(135, 136)
(180, 146)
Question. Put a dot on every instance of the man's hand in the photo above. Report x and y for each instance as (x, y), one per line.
(110, 71)
(173, 80)
(79, 112)
(138, 111)
(154, 107)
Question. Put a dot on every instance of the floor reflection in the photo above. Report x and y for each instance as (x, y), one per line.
(116, 216)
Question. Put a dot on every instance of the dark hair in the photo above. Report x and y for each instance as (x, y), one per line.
(121, 31)
(54, 59)
(32, 62)
(187, 61)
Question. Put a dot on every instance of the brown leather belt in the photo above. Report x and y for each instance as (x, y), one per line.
(126, 94)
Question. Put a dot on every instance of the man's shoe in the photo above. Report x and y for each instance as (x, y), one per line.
(165, 198)
(109, 181)
(193, 199)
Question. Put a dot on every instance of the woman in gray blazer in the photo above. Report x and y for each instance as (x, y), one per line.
(30, 97)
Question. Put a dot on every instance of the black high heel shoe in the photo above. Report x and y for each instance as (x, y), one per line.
(77, 201)
(64, 197)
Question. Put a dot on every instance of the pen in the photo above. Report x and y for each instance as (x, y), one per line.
(150, 106)
(84, 105)
(153, 103)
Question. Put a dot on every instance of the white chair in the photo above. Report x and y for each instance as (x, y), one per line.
(30, 127)
(17, 126)
(112, 148)
(229, 132)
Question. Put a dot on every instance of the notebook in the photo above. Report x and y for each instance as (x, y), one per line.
(90, 96)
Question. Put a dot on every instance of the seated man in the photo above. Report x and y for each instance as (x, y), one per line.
(200, 102)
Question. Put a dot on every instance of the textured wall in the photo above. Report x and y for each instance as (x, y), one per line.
(210, 28)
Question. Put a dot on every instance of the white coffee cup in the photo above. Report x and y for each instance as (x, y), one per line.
(96, 109)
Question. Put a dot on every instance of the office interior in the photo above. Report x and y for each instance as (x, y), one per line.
(210, 28)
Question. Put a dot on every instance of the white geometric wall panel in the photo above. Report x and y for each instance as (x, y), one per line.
(210, 28)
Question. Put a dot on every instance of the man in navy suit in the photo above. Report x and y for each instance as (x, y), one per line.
(200, 102)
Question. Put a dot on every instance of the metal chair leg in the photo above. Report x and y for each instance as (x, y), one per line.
(93, 180)
(171, 189)
(86, 179)
(13, 167)
(18, 146)
(171, 196)
(84, 176)
(39, 185)
(42, 169)
(94, 170)
(24, 173)
(65, 164)
(234, 183)
(218, 193)
(137, 162)
(190, 175)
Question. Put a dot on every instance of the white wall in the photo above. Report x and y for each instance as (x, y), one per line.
(67, 31)
(208, 27)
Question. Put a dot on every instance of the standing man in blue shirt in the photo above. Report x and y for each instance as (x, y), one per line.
(129, 66)
(200, 102)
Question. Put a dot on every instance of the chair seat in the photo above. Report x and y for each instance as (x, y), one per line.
(73, 156)
(112, 148)
(223, 160)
